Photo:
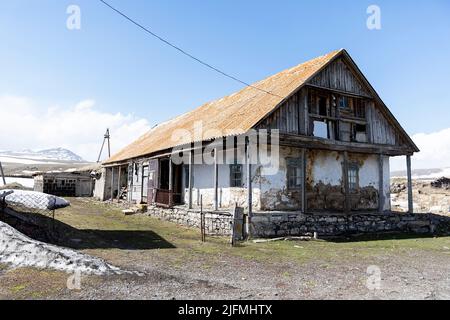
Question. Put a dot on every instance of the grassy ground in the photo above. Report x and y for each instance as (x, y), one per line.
(177, 264)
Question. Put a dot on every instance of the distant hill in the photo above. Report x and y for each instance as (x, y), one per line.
(424, 173)
(27, 162)
(42, 156)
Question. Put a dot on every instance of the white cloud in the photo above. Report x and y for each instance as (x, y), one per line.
(434, 151)
(80, 128)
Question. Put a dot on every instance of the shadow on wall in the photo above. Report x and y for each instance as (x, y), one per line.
(61, 234)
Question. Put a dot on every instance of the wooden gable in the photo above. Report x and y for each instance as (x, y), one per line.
(340, 77)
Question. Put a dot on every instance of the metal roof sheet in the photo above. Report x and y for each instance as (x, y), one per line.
(232, 115)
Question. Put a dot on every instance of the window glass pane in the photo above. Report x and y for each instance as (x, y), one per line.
(294, 173)
(236, 176)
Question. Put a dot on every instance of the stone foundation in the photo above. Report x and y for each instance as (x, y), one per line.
(271, 224)
(217, 223)
(293, 224)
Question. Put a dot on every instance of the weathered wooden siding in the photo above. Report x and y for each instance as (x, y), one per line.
(381, 131)
(290, 117)
(339, 76)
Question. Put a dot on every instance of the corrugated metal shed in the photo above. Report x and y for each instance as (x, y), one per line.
(232, 115)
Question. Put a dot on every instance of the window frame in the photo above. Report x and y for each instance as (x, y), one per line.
(294, 165)
(236, 182)
(353, 180)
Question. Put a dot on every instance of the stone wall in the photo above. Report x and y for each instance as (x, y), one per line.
(267, 225)
(293, 224)
(217, 223)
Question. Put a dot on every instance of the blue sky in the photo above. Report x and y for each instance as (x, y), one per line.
(122, 69)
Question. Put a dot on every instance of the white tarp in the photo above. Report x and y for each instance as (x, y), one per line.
(33, 200)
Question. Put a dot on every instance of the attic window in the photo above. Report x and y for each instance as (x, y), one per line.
(360, 133)
(320, 129)
(360, 108)
(344, 102)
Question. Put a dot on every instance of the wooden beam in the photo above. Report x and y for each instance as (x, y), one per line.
(3, 174)
(308, 142)
(216, 180)
(112, 183)
(249, 190)
(170, 182)
(304, 164)
(191, 176)
(410, 190)
(346, 186)
(118, 183)
(381, 183)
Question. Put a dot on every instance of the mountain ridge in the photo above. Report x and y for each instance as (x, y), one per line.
(52, 154)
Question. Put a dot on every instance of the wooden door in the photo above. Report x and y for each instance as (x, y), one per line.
(152, 186)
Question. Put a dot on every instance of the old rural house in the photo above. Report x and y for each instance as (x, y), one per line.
(77, 183)
(335, 138)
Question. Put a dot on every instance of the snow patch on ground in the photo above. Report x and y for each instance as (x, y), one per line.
(18, 250)
(26, 182)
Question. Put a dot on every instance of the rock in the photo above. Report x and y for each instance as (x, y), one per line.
(128, 212)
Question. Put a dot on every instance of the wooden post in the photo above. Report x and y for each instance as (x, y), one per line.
(303, 195)
(249, 189)
(112, 183)
(191, 176)
(3, 174)
(170, 182)
(381, 183)
(216, 180)
(410, 191)
(346, 186)
(118, 183)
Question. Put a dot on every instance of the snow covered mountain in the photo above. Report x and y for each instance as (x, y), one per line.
(49, 155)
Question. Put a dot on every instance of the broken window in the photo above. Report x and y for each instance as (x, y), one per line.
(318, 103)
(345, 131)
(344, 102)
(353, 177)
(360, 108)
(320, 129)
(360, 133)
(323, 106)
(294, 173)
(236, 176)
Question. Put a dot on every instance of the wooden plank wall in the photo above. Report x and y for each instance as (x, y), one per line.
(381, 132)
(290, 117)
(338, 76)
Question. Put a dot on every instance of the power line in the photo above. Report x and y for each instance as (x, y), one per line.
(183, 51)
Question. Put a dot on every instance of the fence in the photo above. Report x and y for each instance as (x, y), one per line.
(31, 202)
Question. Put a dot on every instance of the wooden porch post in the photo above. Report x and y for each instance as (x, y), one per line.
(303, 195)
(346, 186)
(191, 175)
(410, 191)
(118, 183)
(170, 182)
(249, 189)
(216, 180)
(112, 183)
(381, 183)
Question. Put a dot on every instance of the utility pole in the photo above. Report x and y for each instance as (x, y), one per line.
(106, 138)
(3, 174)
